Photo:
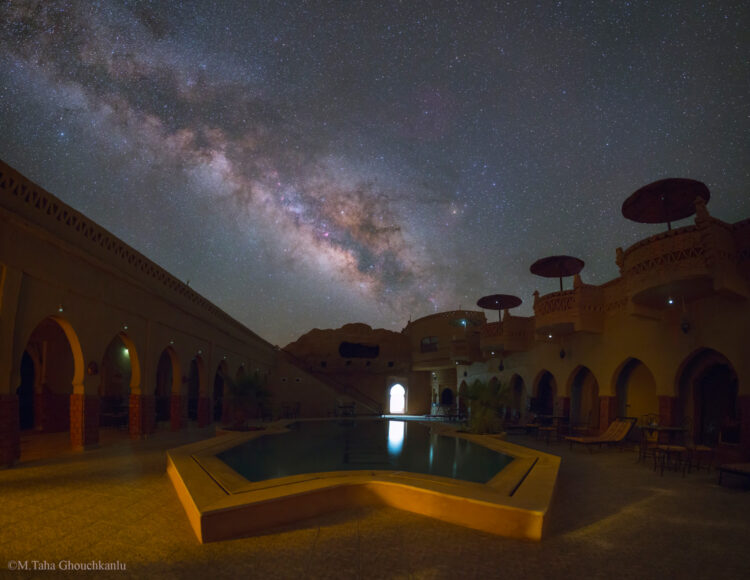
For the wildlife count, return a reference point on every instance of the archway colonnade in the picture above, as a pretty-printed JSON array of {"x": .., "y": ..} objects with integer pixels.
[
  {"x": 701, "y": 392},
  {"x": 64, "y": 380}
]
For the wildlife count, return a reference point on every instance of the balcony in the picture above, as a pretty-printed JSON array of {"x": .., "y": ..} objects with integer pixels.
[
  {"x": 569, "y": 311},
  {"x": 513, "y": 334},
  {"x": 683, "y": 264}
]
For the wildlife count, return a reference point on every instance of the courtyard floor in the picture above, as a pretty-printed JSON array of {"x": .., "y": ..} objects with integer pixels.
[{"x": 611, "y": 518}]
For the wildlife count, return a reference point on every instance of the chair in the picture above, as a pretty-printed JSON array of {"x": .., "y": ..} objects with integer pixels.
[
  {"x": 649, "y": 439},
  {"x": 697, "y": 452},
  {"x": 615, "y": 434},
  {"x": 676, "y": 455}
]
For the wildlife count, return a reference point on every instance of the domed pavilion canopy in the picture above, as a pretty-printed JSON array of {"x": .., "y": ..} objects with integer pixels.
[
  {"x": 666, "y": 200},
  {"x": 557, "y": 267},
  {"x": 499, "y": 302}
]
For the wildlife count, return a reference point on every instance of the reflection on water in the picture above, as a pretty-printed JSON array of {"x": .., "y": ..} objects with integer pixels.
[
  {"x": 396, "y": 437},
  {"x": 323, "y": 446}
]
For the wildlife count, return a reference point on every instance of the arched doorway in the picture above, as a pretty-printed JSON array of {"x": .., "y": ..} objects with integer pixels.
[
  {"x": 114, "y": 387},
  {"x": 218, "y": 401},
  {"x": 446, "y": 397},
  {"x": 193, "y": 391},
  {"x": 167, "y": 382},
  {"x": 55, "y": 345},
  {"x": 546, "y": 389},
  {"x": 584, "y": 398},
  {"x": 517, "y": 398},
  {"x": 636, "y": 390},
  {"x": 708, "y": 396},
  {"x": 51, "y": 373},
  {"x": 397, "y": 399},
  {"x": 26, "y": 392}
]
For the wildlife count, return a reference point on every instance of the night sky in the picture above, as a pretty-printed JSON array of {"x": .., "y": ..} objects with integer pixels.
[{"x": 309, "y": 164}]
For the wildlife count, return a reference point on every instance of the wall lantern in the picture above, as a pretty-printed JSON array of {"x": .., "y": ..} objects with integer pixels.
[
  {"x": 200, "y": 351},
  {"x": 171, "y": 341},
  {"x": 60, "y": 308},
  {"x": 124, "y": 326}
]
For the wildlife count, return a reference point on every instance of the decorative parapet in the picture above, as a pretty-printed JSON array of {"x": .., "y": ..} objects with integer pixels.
[
  {"x": 690, "y": 261},
  {"x": 33, "y": 203},
  {"x": 578, "y": 310}
]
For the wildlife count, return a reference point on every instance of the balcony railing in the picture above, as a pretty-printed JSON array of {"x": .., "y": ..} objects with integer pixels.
[
  {"x": 580, "y": 309},
  {"x": 684, "y": 263}
]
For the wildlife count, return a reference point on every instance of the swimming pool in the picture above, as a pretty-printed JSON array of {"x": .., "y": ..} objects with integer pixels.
[
  {"x": 392, "y": 445},
  {"x": 222, "y": 504}
]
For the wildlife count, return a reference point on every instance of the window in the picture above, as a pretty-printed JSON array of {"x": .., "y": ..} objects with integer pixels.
[
  {"x": 429, "y": 344},
  {"x": 357, "y": 350}
]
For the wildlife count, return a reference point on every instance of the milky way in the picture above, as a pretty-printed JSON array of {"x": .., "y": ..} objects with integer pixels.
[{"x": 308, "y": 164}]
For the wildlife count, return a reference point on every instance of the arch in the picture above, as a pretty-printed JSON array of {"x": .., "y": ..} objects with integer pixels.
[
  {"x": 75, "y": 348},
  {"x": 635, "y": 389},
  {"x": 55, "y": 352},
  {"x": 584, "y": 397},
  {"x": 194, "y": 389},
  {"x": 26, "y": 392},
  {"x": 397, "y": 399},
  {"x": 446, "y": 397},
  {"x": 168, "y": 382},
  {"x": 707, "y": 390},
  {"x": 116, "y": 382},
  {"x": 135, "y": 362},
  {"x": 518, "y": 400},
  {"x": 219, "y": 388},
  {"x": 545, "y": 391}
]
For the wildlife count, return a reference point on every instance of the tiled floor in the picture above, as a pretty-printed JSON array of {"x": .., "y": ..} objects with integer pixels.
[{"x": 611, "y": 518}]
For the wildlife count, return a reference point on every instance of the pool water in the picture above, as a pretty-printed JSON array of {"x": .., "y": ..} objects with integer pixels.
[{"x": 323, "y": 446}]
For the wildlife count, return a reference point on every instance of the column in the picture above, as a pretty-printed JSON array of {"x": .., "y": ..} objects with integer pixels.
[{"x": 84, "y": 421}]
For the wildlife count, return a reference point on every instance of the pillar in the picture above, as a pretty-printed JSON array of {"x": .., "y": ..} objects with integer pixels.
[
  {"x": 175, "y": 412},
  {"x": 204, "y": 411},
  {"x": 142, "y": 415},
  {"x": 84, "y": 421},
  {"x": 10, "y": 441},
  {"x": 607, "y": 411}
]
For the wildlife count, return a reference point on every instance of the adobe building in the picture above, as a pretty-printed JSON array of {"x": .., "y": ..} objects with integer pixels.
[{"x": 94, "y": 335}]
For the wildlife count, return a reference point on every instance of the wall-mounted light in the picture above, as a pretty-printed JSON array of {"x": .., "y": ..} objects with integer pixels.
[
  {"x": 225, "y": 357},
  {"x": 670, "y": 301},
  {"x": 200, "y": 351},
  {"x": 60, "y": 308},
  {"x": 171, "y": 341},
  {"x": 549, "y": 336},
  {"x": 124, "y": 326}
]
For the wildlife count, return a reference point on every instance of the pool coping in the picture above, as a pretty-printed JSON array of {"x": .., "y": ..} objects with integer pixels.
[{"x": 221, "y": 504}]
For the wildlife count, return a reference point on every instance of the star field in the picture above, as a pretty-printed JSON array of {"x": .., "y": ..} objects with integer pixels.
[{"x": 308, "y": 164}]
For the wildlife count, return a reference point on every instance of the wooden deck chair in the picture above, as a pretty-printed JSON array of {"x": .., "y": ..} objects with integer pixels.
[{"x": 615, "y": 433}]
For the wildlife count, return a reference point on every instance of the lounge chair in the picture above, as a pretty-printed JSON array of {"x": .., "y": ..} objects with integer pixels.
[
  {"x": 742, "y": 469},
  {"x": 615, "y": 433}
]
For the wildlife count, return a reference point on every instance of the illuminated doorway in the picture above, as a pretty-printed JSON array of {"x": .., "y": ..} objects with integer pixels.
[{"x": 397, "y": 399}]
